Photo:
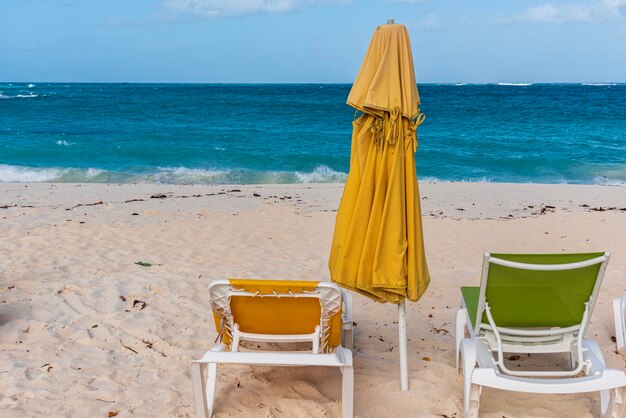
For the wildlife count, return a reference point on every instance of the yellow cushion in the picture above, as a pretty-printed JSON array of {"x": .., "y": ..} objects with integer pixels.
[{"x": 280, "y": 316}]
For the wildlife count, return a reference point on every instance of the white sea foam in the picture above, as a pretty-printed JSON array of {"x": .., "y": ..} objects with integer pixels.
[
  {"x": 599, "y": 84},
  {"x": 460, "y": 84},
  {"x": 606, "y": 181},
  {"x": 515, "y": 84},
  {"x": 432, "y": 179},
  {"x": 183, "y": 175},
  {"x": 30, "y": 86},
  {"x": 63, "y": 142},
  {"x": 93, "y": 172},
  {"x": 321, "y": 174},
  {"x": 25, "y": 174},
  {"x": 19, "y": 174},
  {"x": 19, "y": 96},
  {"x": 219, "y": 148}
]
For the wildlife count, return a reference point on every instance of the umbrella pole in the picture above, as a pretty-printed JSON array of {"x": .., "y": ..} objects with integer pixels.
[{"x": 404, "y": 373}]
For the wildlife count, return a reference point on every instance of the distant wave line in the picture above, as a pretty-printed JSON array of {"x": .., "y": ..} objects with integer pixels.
[
  {"x": 515, "y": 84},
  {"x": 19, "y": 96}
]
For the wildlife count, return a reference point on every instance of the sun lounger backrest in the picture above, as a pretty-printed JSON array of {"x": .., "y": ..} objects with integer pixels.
[
  {"x": 526, "y": 296},
  {"x": 277, "y": 307}
]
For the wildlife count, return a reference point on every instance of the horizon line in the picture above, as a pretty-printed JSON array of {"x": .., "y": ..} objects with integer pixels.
[{"x": 504, "y": 83}]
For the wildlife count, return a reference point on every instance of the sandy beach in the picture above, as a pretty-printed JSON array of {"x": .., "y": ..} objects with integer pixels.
[{"x": 87, "y": 332}]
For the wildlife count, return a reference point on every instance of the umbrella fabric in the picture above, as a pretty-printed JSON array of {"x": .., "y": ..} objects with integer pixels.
[{"x": 378, "y": 247}]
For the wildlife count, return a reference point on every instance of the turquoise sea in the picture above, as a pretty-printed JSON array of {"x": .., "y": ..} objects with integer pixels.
[{"x": 285, "y": 133}]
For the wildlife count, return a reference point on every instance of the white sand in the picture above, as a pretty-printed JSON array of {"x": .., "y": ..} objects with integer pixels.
[{"x": 71, "y": 347}]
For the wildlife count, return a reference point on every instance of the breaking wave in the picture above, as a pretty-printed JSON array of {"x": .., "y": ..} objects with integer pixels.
[
  {"x": 605, "y": 181},
  {"x": 22, "y": 174},
  {"x": 166, "y": 175},
  {"x": 322, "y": 174}
]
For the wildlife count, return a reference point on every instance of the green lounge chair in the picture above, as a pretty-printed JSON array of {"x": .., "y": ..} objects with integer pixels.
[{"x": 535, "y": 303}]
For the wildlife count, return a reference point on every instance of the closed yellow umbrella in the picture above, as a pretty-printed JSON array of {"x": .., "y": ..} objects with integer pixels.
[{"x": 378, "y": 247}]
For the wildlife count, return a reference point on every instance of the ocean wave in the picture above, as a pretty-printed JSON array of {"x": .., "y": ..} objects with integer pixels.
[
  {"x": 599, "y": 84},
  {"x": 19, "y": 96},
  {"x": 63, "y": 143},
  {"x": 432, "y": 179},
  {"x": 182, "y": 175},
  {"x": 321, "y": 174},
  {"x": 18, "y": 174},
  {"x": 515, "y": 84},
  {"x": 24, "y": 174},
  {"x": 30, "y": 86},
  {"x": 167, "y": 175},
  {"x": 606, "y": 181}
]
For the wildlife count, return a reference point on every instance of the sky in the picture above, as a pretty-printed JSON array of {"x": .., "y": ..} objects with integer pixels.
[{"x": 308, "y": 41}]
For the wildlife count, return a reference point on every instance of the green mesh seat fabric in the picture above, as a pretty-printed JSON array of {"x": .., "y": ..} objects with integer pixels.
[
  {"x": 470, "y": 297},
  {"x": 520, "y": 298}
]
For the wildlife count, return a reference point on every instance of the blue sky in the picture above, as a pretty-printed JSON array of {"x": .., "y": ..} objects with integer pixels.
[{"x": 309, "y": 40}]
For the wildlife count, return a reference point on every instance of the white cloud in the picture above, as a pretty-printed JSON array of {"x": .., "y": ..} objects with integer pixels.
[
  {"x": 586, "y": 12},
  {"x": 208, "y": 8}
]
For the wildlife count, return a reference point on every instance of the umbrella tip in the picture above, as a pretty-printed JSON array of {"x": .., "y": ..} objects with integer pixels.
[{"x": 390, "y": 21}]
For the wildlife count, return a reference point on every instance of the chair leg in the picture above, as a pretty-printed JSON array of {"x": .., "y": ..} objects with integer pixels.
[
  {"x": 348, "y": 341},
  {"x": 203, "y": 390},
  {"x": 199, "y": 390},
  {"x": 618, "y": 317},
  {"x": 605, "y": 399},
  {"x": 615, "y": 403},
  {"x": 459, "y": 334},
  {"x": 474, "y": 404},
  {"x": 471, "y": 392},
  {"x": 347, "y": 392},
  {"x": 211, "y": 381}
]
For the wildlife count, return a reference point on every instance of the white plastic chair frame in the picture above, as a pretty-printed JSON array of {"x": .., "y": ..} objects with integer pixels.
[
  {"x": 485, "y": 339},
  {"x": 510, "y": 340},
  {"x": 331, "y": 297},
  {"x": 620, "y": 326}
]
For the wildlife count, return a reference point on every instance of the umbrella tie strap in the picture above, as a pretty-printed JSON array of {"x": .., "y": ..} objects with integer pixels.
[
  {"x": 377, "y": 131},
  {"x": 394, "y": 127},
  {"x": 411, "y": 135},
  {"x": 356, "y": 112}
]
